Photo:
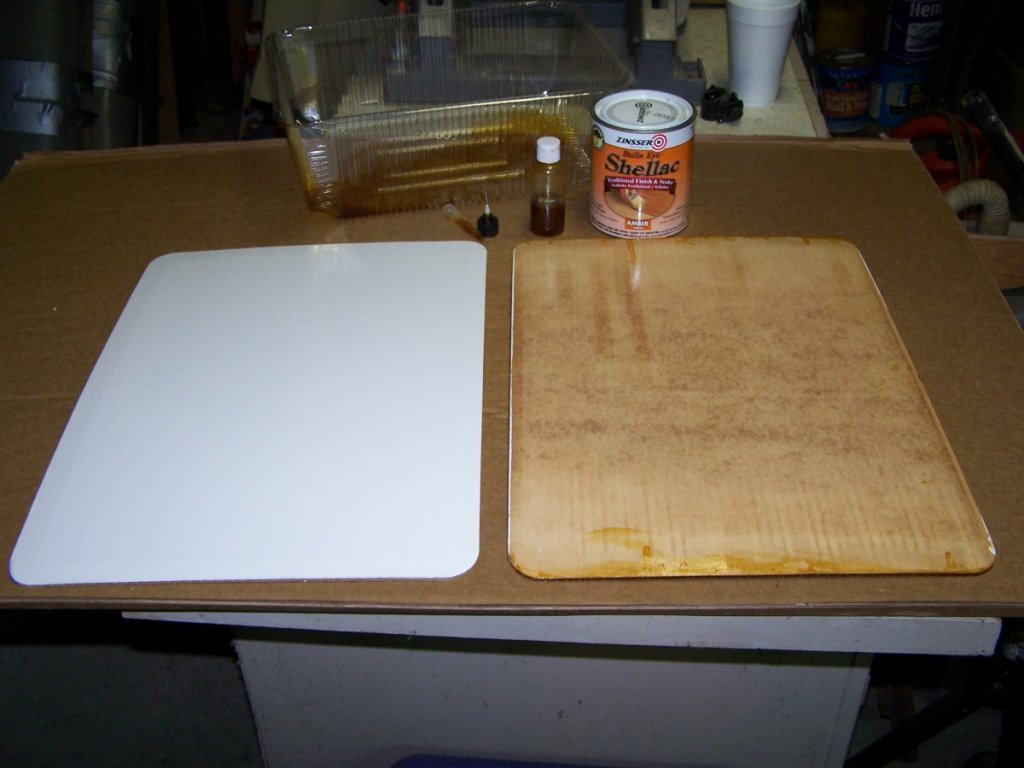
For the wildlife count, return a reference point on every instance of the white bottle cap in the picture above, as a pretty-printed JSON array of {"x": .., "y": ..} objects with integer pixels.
[{"x": 549, "y": 149}]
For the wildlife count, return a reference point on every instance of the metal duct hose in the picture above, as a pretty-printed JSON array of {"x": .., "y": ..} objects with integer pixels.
[
  {"x": 125, "y": 80},
  {"x": 116, "y": 64},
  {"x": 995, "y": 206}
]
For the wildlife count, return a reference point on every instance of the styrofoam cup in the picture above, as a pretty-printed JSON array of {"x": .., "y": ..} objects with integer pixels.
[{"x": 759, "y": 34}]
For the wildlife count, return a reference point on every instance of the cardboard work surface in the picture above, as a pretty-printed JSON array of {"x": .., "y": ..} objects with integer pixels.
[
  {"x": 79, "y": 230},
  {"x": 722, "y": 406},
  {"x": 250, "y": 413}
]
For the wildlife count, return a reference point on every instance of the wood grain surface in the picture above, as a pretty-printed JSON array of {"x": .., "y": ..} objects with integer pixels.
[{"x": 722, "y": 406}]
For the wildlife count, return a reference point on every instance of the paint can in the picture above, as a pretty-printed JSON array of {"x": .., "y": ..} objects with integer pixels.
[
  {"x": 844, "y": 79},
  {"x": 641, "y": 157},
  {"x": 898, "y": 93},
  {"x": 913, "y": 29}
]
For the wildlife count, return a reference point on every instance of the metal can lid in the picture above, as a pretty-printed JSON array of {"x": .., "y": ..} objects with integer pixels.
[
  {"x": 638, "y": 110},
  {"x": 844, "y": 59}
]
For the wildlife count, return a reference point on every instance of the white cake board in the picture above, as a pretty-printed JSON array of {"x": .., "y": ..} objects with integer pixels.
[{"x": 309, "y": 412}]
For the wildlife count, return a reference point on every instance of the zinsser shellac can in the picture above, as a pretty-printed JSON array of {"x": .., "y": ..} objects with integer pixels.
[{"x": 641, "y": 155}]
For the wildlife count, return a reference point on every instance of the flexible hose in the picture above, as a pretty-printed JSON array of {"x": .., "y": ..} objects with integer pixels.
[{"x": 995, "y": 206}]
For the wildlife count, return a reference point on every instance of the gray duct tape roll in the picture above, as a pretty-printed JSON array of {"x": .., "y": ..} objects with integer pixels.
[{"x": 41, "y": 97}]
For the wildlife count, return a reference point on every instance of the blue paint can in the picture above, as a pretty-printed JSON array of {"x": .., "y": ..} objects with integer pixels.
[
  {"x": 898, "y": 93},
  {"x": 913, "y": 29},
  {"x": 844, "y": 83}
]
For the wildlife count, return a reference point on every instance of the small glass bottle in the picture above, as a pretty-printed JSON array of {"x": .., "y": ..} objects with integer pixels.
[{"x": 547, "y": 189}]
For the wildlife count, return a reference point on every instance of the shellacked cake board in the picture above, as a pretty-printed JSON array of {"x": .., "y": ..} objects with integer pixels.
[{"x": 722, "y": 406}]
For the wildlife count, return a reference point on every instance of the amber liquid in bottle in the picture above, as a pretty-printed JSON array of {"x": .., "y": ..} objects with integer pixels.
[
  {"x": 547, "y": 189},
  {"x": 547, "y": 217}
]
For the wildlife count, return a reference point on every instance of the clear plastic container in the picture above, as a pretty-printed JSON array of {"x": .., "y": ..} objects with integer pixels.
[{"x": 418, "y": 110}]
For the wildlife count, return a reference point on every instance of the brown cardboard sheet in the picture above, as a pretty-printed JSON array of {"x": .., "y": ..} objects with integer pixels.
[
  {"x": 78, "y": 230},
  {"x": 1003, "y": 257}
]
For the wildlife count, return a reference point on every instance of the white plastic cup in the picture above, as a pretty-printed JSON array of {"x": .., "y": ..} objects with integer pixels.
[{"x": 759, "y": 34}]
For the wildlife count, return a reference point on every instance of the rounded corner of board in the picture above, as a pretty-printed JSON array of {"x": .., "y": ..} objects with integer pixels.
[
  {"x": 983, "y": 566},
  {"x": 528, "y": 571},
  {"x": 463, "y": 567},
  {"x": 20, "y": 575}
]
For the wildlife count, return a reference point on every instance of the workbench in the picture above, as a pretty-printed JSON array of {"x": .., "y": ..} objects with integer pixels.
[{"x": 365, "y": 672}]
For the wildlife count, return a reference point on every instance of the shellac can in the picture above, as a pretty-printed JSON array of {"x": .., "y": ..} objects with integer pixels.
[{"x": 641, "y": 158}]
